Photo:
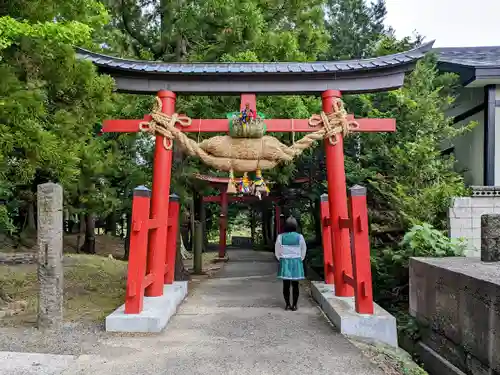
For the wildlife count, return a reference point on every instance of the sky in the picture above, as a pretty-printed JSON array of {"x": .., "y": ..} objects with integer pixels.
[{"x": 452, "y": 23}]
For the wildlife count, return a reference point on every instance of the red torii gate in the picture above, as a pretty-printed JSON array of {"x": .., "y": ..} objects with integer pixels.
[
  {"x": 329, "y": 78},
  {"x": 224, "y": 199},
  {"x": 337, "y": 190}
]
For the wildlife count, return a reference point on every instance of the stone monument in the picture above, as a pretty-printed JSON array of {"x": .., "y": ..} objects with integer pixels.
[
  {"x": 50, "y": 255},
  {"x": 490, "y": 238}
]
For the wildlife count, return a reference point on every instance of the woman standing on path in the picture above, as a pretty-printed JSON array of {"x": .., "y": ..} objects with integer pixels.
[{"x": 290, "y": 249}]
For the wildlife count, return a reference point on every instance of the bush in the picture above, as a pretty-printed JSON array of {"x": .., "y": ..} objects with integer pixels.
[{"x": 390, "y": 265}]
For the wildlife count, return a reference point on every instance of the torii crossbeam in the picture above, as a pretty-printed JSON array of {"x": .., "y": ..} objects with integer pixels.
[{"x": 272, "y": 125}]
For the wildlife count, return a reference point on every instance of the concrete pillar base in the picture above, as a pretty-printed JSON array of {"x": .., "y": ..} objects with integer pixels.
[
  {"x": 155, "y": 315},
  {"x": 381, "y": 326},
  {"x": 221, "y": 260}
]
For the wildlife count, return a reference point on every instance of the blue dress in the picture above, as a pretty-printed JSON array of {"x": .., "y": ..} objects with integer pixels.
[{"x": 290, "y": 250}]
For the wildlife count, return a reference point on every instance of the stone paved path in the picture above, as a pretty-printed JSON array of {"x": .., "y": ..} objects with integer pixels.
[{"x": 232, "y": 325}]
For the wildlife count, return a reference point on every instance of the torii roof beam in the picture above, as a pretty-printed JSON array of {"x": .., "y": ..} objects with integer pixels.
[{"x": 349, "y": 76}]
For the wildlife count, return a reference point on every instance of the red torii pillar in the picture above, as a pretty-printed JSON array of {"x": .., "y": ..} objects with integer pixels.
[
  {"x": 337, "y": 202},
  {"x": 335, "y": 177},
  {"x": 162, "y": 170}
]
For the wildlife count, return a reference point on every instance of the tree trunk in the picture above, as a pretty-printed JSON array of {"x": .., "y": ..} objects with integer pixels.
[
  {"x": 31, "y": 225},
  {"x": 81, "y": 229},
  {"x": 111, "y": 224},
  {"x": 269, "y": 226},
  {"x": 198, "y": 248},
  {"x": 181, "y": 274},
  {"x": 180, "y": 270},
  {"x": 186, "y": 223},
  {"x": 124, "y": 225},
  {"x": 206, "y": 225},
  {"x": 317, "y": 220},
  {"x": 266, "y": 227},
  {"x": 252, "y": 225},
  {"x": 191, "y": 224},
  {"x": 165, "y": 25},
  {"x": 127, "y": 237},
  {"x": 263, "y": 225},
  {"x": 89, "y": 243}
]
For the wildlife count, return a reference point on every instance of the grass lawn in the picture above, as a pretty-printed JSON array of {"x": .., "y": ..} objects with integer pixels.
[{"x": 93, "y": 287}]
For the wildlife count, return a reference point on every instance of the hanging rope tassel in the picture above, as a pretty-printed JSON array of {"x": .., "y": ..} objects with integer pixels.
[
  {"x": 244, "y": 186},
  {"x": 231, "y": 188},
  {"x": 259, "y": 187}
]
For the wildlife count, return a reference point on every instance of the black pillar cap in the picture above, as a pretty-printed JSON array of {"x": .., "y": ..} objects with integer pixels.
[
  {"x": 357, "y": 191},
  {"x": 142, "y": 191}
]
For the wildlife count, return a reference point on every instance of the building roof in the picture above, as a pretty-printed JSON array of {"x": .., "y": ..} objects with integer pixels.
[
  {"x": 477, "y": 66},
  {"x": 470, "y": 56},
  {"x": 348, "y": 76}
]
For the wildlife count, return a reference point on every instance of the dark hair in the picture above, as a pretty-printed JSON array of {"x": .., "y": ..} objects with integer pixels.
[{"x": 291, "y": 225}]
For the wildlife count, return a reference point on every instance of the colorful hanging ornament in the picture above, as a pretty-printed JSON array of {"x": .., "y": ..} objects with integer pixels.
[
  {"x": 244, "y": 185},
  {"x": 247, "y": 115},
  {"x": 259, "y": 187},
  {"x": 231, "y": 188},
  {"x": 246, "y": 124}
]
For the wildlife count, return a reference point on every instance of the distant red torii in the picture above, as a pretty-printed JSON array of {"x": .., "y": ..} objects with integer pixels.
[{"x": 224, "y": 199}]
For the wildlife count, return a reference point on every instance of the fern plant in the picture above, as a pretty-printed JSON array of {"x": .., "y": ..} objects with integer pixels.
[{"x": 425, "y": 240}]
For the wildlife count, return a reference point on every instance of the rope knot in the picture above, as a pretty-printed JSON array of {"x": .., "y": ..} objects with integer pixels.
[
  {"x": 334, "y": 122},
  {"x": 164, "y": 125}
]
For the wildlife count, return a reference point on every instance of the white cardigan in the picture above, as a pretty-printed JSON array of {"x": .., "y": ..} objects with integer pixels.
[{"x": 287, "y": 251}]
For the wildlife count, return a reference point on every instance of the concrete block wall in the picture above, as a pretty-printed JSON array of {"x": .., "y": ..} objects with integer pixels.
[{"x": 464, "y": 217}]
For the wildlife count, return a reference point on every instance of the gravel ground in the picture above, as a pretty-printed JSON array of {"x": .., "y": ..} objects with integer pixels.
[
  {"x": 72, "y": 339},
  {"x": 233, "y": 324}
]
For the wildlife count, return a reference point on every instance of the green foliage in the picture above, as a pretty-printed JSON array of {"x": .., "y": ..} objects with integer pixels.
[
  {"x": 49, "y": 103},
  {"x": 207, "y": 30},
  {"x": 70, "y": 22},
  {"x": 424, "y": 240},
  {"x": 409, "y": 180},
  {"x": 391, "y": 264},
  {"x": 354, "y": 26},
  {"x": 49, "y": 119},
  {"x": 70, "y": 32}
]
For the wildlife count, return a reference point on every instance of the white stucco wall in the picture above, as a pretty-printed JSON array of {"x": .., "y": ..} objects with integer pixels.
[{"x": 469, "y": 148}]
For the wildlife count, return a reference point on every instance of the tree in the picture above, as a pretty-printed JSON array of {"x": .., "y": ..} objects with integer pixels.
[
  {"x": 193, "y": 30},
  {"x": 46, "y": 117},
  {"x": 354, "y": 27},
  {"x": 406, "y": 169}
]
